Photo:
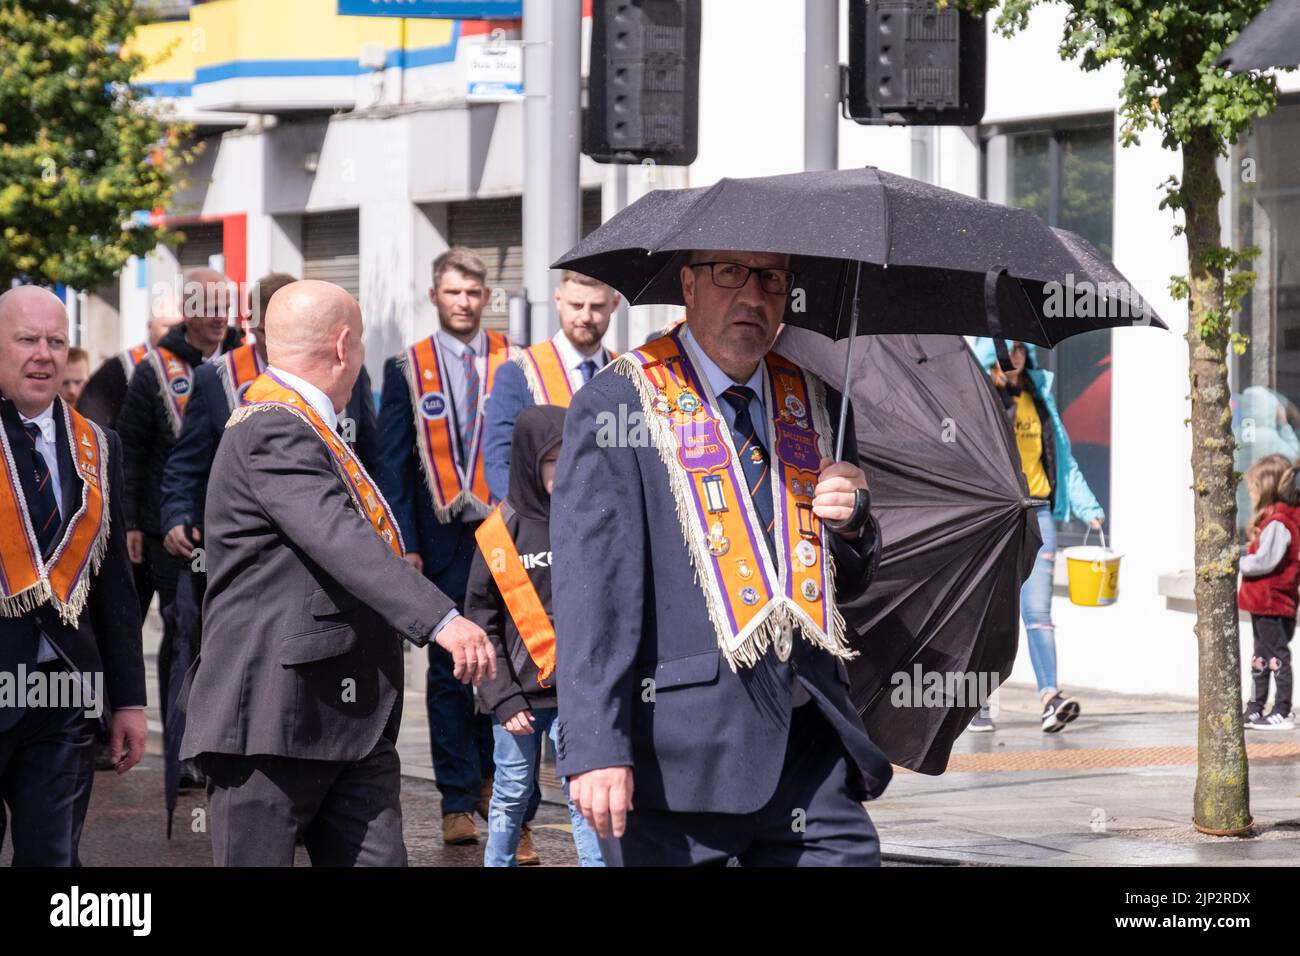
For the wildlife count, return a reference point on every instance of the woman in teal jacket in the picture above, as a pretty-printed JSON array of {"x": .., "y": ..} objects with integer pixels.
[{"x": 1052, "y": 474}]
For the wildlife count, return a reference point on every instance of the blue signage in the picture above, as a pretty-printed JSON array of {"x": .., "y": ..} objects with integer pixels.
[{"x": 441, "y": 9}]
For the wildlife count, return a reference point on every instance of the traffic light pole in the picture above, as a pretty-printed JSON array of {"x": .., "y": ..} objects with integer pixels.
[
  {"x": 821, "y": 84},
  {"x": 552, "y": 62}
]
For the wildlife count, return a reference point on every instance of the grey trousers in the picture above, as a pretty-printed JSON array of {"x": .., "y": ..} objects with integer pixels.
[{"x": 347, "y": 814}]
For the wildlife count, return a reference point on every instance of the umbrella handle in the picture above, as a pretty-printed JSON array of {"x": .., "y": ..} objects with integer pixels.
[
  {"x": 991, "y": 278},
  {"x": 848, "y": 364}
]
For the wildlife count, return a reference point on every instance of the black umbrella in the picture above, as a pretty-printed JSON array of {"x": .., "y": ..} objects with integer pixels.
[
  {"x": 1271, "y": 39},
  {"x": 955, "y": 518},
  {"x": 911, "y": 257}
]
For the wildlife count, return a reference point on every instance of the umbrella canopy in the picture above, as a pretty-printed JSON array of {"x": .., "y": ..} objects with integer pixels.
[
  {"x": 956, "y": 522},
  {"x": 933, "y": 259},
  {"x": 1271, "y": 39}
]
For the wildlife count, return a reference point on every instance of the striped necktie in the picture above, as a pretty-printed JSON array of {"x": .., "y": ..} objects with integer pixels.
[
  {"x": 470, "y": 404},
  {"x": 753, "y": 456},
  {"x": 45, "y": 505}
]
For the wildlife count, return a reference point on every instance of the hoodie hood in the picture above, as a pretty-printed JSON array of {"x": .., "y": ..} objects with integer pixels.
[
  {"x": 537, "y": 430},
  {"x": 175, "y": 341}
]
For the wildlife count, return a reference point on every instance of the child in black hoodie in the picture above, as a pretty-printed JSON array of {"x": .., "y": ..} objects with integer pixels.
[{"x": 509, "y": 596}]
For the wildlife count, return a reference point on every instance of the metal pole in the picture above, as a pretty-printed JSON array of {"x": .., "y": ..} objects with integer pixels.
[
  {"x": 922, "y": 150},
  {"x": 848, "y": 363},
  {"x": 566, "y": 139},
  {"x": 821, "y": 84},
  {"x": 536, "y": 158},
  {"x": 622, "y": 330}
]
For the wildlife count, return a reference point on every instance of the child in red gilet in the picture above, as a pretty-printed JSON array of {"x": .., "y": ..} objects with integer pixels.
[{"x": 1270, "y": 586}]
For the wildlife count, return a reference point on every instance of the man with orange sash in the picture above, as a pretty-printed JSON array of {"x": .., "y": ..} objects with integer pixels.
[
  {"x": 549, "y": 372},
  {"x": 101, "y": 400},
  {"x": 295, "y": 702},
  {"x": 431, "y": 470},
  {"x": 150, "y": 424},
  {"x": 219, "y": 388},
  {"x": 69, "y": 621},
  {"x": 700, "y": 544}
]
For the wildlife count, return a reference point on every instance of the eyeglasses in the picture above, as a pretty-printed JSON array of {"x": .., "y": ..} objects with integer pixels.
[{"x": 733, "y": 275}]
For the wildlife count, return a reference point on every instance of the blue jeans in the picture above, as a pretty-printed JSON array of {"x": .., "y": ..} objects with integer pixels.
[
  {"x": 1036, "y": 605},
  {"x": 516, "y": 778}
]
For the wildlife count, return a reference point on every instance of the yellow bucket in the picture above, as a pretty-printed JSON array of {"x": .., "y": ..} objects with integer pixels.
[{"x": 1093, "y": 573}]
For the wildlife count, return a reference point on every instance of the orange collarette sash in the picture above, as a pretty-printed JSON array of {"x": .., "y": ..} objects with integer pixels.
[
  {"x": 752, "y": 601},
  {"x": 452, "y": 487},
  {"x": 525, "y": 607},
  {"x": 175, "y": 380},
  {"x": 269, "y": 393},
  {"x": 26, "y": 580},
  {"x": 544, "y": 371},
  {"x": 132, "y": 358},
  {"x": 237, "y": 370}
]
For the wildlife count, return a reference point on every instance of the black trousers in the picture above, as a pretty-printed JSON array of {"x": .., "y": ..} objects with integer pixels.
[
  {"x": 1272, "y": 657},
  {"x": 815, "y": 817},
  {"x": 348, "y": 814},
  {"x": 47, "y": 766}
]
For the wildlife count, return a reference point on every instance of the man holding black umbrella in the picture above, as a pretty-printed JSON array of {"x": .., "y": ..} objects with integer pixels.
[{"x": 723, "y": 532}]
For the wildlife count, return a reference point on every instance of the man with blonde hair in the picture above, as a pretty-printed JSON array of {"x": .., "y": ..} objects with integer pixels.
[{"x": 550, "y": 372}]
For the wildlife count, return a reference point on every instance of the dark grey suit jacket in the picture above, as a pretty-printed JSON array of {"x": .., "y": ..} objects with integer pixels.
[
  {"x": 107, "y": 636},
  {"x": 304, "y": 607},
  {"x": 628, "y": 611}
]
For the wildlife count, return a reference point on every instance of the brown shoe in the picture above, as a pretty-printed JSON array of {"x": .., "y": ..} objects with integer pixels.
[
  {"x": 484, "y": 797},
  {"x": 526, "y": 854},
  {"x": 458, "y": 829}
]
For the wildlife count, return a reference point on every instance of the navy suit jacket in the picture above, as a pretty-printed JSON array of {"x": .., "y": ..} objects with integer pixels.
[
  {"x": 447, "y": 550},
  {"x": 510, "y": 396},
  {"x": 185, "y": 476},
  {"x": 628, "y": 612},
  {"x": 107, "y": 636}
]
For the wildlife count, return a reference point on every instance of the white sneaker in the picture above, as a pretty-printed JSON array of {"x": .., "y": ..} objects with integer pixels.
[{"x": 1273, "y": 721}]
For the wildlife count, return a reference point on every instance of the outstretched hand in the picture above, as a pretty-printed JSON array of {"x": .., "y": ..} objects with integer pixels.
[{"x": 471, "y": 652}]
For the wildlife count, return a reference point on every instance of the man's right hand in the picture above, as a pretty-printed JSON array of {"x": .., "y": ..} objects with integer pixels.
[
  {"x": 604, "y": 796},
  {"x": 135, "y": 546},
  {"x": 414, "y": 560},
  {"x": 471, "y": 651},
  {"x": 179, "y": 544}
]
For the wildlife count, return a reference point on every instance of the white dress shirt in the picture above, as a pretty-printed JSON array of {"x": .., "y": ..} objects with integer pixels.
[
  {"x": 452, "y": 350},
  {"x": 314, "y": 396},
  {"x": 573, "y": 359}
]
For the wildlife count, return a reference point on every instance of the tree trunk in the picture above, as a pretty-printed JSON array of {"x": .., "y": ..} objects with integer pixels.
[{"x": 1221, "y": 804}]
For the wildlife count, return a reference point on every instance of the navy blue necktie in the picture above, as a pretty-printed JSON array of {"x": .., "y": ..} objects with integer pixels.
[
  {"x": 752, "y": 454},
  {"x": 588, "y": 369},
  {"x": 45, "y": 506}
]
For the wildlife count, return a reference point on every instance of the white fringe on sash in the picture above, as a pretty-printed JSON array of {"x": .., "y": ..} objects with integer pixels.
[
  {"x": 530, "y": 376},
  {"x": 42, "y": 592},
  {"x": 746, "y": 648}
]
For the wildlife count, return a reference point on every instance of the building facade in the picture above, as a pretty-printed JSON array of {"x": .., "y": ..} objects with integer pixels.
[{"x": 345, "y": 148}]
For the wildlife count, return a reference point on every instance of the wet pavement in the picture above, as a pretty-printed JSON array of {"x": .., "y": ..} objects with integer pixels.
[{"x": 1115, "y": 788}]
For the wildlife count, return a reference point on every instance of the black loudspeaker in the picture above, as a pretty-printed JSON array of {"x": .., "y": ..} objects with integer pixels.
[
  {"x": 913, "y": 64},
  {"x": 643, "y": 96}
]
